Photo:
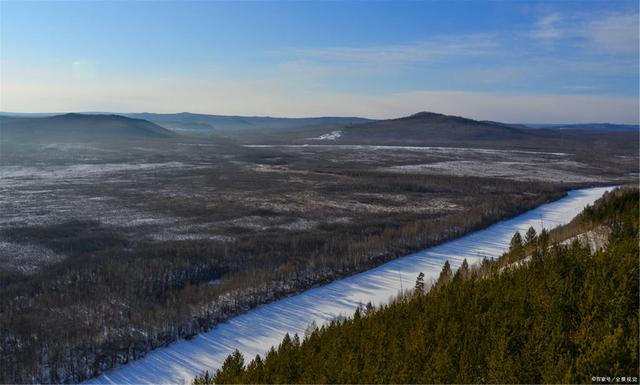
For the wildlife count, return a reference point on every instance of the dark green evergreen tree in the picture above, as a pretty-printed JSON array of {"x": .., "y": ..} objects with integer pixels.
[
  {"x": 419, "y": 287},
  {"x": 204, "y": 379},
  {"x": 530, "y": 236},
  {"x": 516, "y": 248},
  {"x": 445, "y": 275},
  {"x": 543, "y": 239},
  {"x": 516, "y": 242},
  {"x": 231, "y": 369},
  {"x": 464, "y": 269}
]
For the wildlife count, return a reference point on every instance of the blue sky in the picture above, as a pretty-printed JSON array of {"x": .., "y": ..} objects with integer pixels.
[{"x": 559, "y": 61}]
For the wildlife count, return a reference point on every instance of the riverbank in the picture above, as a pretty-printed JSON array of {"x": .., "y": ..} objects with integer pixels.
[{"x": 256, "y": 331}]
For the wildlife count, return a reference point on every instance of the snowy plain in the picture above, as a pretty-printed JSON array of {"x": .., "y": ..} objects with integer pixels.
[
  {"x": 337, "y": 134},
  {"x": 256, "y": 331}
]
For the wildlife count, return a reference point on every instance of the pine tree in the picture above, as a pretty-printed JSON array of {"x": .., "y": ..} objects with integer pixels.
[
  {"x": 369, "y": 309},
  {"x": 231, "y": 369},
  {"x": 516, "y": 242},
  {"x": 464, "y": 269},
  {"x": 445, "y": 275},
  {"x": 516, "y": 250},
  {"x": 419, "y": 287},
  {"x": 543, "y": 239},
  {"x": 204, "y": 379},
  {"x": 530, "y": 236}
]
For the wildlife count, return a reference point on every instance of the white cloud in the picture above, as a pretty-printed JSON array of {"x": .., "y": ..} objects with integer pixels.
[
  {"x": 423, "y": 51},
  {"x": 616, "y": 33},
  {"x": 547, "y": 27},
  {"x": 579, "y": 88},
  {"x": 613, "y": 33}
]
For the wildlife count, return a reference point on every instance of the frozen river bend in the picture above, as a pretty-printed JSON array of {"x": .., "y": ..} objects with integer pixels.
[{"x": 256, "y": 331}]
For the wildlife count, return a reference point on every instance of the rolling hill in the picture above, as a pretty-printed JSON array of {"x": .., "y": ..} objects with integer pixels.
[
  {"x": 433, "y": 129},
  {"x": 420, "y": 129},
  {"x": 77, "y": 128},
  {"x": 236, "y": 124}
]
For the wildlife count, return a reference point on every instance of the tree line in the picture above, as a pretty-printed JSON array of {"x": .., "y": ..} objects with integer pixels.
[{"x": 542, "y": 313}]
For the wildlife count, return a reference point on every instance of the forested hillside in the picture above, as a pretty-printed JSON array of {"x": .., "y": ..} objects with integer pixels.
[
  {"x": 433, "y": 129},
  {"x": 540, "y": 314},
  {"x": 77, "y": 128}
]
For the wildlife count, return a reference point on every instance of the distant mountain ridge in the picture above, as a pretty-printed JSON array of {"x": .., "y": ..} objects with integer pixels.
[
  {"x": 420, "y": 129},
  {"x": 433, "y": 128},
  {"x": 77, "y": 127},
  {"x": 204, "y": 122},
  {"x": 226, "y": 123}
]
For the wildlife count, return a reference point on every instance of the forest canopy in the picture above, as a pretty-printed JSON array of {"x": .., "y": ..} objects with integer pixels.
[{"x": 565, "y": 316}]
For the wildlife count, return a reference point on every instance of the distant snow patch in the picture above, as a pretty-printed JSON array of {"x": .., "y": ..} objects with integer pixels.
[
  {"x": 549, "y": 171},
  {"x": 333, "y": 135},
  {"x": 431, "y": 149}
]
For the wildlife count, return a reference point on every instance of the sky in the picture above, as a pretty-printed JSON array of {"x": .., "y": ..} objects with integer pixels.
[{"x": 512, "y": 61}]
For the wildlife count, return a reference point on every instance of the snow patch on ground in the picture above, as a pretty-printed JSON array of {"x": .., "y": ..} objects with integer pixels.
[
  {"x": 448, "y": 150},
  {"x": 333, "y": 135},
  {"x": 25, "y": 258},
  {"x": 516, "y": 264},
  {"x": 596, "y": 239},
  {"x": 256, "y": 331},
  {"x": 77, "y": 170},
  {"x": 554, "y": 171}
]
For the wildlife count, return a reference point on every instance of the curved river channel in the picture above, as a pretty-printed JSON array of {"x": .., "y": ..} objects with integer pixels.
[{"x": 257, "y": 330}]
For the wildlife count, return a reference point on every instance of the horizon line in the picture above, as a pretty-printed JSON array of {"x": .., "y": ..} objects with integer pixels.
[{"x": 309, "y": 117}]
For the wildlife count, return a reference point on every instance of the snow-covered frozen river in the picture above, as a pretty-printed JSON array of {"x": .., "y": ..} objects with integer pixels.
[{"x": 256, "y": 331}]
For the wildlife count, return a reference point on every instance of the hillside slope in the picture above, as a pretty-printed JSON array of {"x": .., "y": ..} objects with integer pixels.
[
  {"x": 77, "y": 127},
  {"x": 230, "y": 124},
  {"x": 561, "y": 315},
  {"x": 432, "y": 129},
  {"x": 428, "y": 129}
]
